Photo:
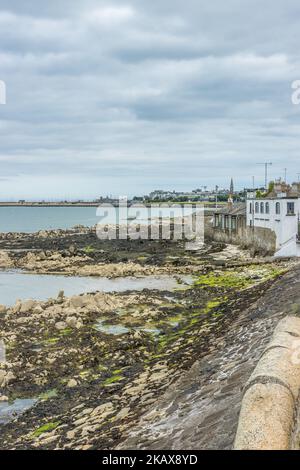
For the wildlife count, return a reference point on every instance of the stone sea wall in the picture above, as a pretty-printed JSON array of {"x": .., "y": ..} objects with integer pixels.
[
  {"x": 261, "y": 241},
  {"x": 269, "y": 412}
]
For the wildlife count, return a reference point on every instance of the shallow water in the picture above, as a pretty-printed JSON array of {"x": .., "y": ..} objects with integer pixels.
[
  {"x": 16, "y": 285},
  {"x": 111, "y": 329},
  {"x": 119, "y": 329},
  {"x": 9, "y": 411}
]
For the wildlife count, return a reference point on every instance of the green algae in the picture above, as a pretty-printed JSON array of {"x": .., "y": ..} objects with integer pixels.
[
  {"x": 240, "y": 278},
  {"x": 66, "y": 331},
  {"x": 113, "y": 379},
  {"x": 46, "y": 428},
  {"x": 53, "y": 340},
  {"x": 89, "y": 249},
  {"x": 48, "y": 394}
]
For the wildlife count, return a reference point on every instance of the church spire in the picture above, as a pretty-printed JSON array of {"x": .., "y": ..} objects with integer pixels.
[{"x": 231, "y": 187}]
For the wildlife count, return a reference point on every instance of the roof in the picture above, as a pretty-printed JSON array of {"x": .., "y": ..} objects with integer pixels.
[{"x": 236, "y": 209}]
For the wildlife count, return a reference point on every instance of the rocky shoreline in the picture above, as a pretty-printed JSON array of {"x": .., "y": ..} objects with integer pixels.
[{"x": 92, "y": 364}]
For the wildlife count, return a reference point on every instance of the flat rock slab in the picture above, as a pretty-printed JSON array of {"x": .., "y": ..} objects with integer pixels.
[{"x": 201, "y": 410}]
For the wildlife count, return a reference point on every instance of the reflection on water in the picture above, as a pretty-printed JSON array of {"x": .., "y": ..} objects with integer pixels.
[
  {"x": 111, "y": 329},
  {"x": 119, "y": 329},
  {"x": 16, "y": 285},
  {"x": 9, "y": 411}
]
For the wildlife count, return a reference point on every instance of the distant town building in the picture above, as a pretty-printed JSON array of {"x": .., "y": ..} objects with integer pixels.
[{"x": 196, "y": 195}]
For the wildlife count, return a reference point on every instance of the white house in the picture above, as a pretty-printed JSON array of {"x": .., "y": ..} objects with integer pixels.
[{"x": 279, "y": 213}]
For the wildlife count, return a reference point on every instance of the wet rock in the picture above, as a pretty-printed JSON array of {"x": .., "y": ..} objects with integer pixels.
[
  {"x": 72, "y": 322},
  {"x": 61, "y": 295},
  {"x": 49, "y": 440},
  {"x": 3, "y": 309},
  {"x": 27, "y": 306},
  {"x": 77, "y": 301},
  {"x": 123, "y": 413},
  {"x": 72, "y": 383},
  {"x": 37, "y": 310},
  {"x": 6, "y": 378},
  {"x": 71, "y": 434},
  {"x": 43, "y": 234},
  {"x": 5, "y": 260},
  {"x": 103, "y": 410},
  {"x": 72, "y": 249},
  {"x": 61, "y": 325}
]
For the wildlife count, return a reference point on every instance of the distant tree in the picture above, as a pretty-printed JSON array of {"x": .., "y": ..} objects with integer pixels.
[{"x": 271, "y": 187}]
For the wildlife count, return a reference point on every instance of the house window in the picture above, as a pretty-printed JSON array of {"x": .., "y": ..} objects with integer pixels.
[
  {"x": 267, "y": 208},
  {"x": 256, "y": 208},
  {"x": 277, "y": 209},
  {"x": 290, "y": 208},
  {"x": 250, "y": 208},
  {"x": 262, "y": 208}
]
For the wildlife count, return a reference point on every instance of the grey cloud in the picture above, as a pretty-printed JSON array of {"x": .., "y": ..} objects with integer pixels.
[{"x": 146, "y": 93}]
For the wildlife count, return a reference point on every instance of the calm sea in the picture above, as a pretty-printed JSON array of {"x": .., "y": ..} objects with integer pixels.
[{"x": 33, "y": 219}]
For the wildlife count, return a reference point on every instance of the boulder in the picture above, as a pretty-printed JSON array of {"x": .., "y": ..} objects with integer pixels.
[
  {"x": 77, "y": 301},
  {"x": 27, "y": 306},
  {"x": 71, "y": 322},
  {"x": 5, "y": 260},
  {"x": 3, "y": 309},
  {"x": 60, "y": 325},
  {"x": 72, "y": 383}
]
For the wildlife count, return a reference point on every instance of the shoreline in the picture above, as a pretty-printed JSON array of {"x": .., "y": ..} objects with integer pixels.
[{"x": 90, "y": 366}]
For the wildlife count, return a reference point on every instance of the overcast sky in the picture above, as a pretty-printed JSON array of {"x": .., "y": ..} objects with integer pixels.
[{"x": 120, "y": 97}]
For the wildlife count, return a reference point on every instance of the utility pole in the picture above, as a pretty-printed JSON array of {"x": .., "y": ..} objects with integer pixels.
[{"x": 266, "y": 165}]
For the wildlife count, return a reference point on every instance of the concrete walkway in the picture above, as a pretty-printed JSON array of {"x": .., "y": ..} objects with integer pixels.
[{"x": 201, "y": 410}]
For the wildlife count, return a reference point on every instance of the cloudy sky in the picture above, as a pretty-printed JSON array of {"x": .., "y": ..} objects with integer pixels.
[{"x": 117, "y": 97}]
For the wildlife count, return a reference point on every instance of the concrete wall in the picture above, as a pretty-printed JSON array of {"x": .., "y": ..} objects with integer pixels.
[
  {"x": 260, "y": 241},
  {"x": 290, "y": 249}
]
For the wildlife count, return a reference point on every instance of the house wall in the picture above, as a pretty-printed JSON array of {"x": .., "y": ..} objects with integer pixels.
[{"x": 283, "y": 225}]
